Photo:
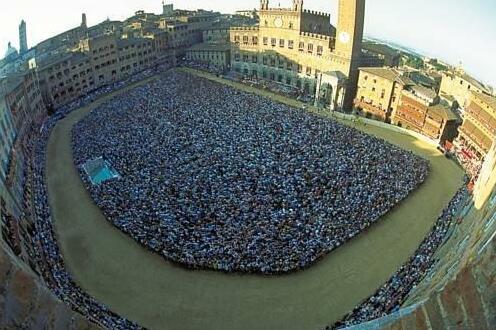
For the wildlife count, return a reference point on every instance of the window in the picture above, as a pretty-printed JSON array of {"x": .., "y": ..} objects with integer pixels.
[
  {"x": 289, "y": 66},
  {"x": 245, "y": 40},
  {"x": 265, "y": 41},
  {"x": 273, "y": 42},
  {"x": 272, "y": 61},
  {"x": 264, "y": 60},
  {"x": 309, "y": 71},
  {"x": 236, "y": 40},
  {"x": 383, "y": 93},
  {"x": 245, "y": 58},
  {"x": 300, "y": 68},
  {"x": 310, "y": 48},
  {"x": 301, "y": 46},
  {"x": 254, "y": 40},
  {"x": 290, "y": 44},
  {"x": 281, "y": 43},
  {"x": 320, "y": 50},
  {"x": 254, "y": 59},
  {"x": 236, "y": 57},
  {"x": 281, "y": 63}
]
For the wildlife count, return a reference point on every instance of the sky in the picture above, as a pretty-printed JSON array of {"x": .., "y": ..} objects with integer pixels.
[{"x": 457, "y": 31}]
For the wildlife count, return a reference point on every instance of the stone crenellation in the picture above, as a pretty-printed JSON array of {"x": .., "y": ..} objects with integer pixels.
[{"x": 318, "y": 13}]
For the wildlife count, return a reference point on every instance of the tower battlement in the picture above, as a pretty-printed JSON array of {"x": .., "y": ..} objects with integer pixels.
[
  {"x": 318, "y": 13},
  {"x": 245, "y": 28}
]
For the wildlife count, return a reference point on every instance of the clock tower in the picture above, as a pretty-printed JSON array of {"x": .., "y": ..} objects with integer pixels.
[{"x": 348, "y": 47}]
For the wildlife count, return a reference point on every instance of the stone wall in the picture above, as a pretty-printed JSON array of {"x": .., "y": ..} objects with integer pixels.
[{"x": 25, "y": 303}]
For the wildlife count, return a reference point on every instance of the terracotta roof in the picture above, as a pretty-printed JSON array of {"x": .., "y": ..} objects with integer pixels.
[
  {"x": 424, "y": 91},
  {"x": 385, "y": 73},
  {"x": 443, "y": 111}
]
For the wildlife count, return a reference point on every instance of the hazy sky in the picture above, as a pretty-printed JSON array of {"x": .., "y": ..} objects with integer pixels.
[{"x": 454, "y": 30}]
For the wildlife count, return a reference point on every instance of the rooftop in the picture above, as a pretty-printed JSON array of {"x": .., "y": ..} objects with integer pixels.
[
  {"x": 389, "y": 74},
  {"x": 73, "y": 56},
  {"x": 443, "y": 111},
  {"x": 423, "y": 91}
]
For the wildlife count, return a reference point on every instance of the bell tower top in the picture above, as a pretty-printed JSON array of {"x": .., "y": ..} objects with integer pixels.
[
  {"x": 264, "y": 4},
  {"x": 298, "y": 5}
]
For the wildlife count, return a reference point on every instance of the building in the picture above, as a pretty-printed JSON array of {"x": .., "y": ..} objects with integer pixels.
[
  {"x": 181, "y": 35},
  {"x": 216, "y": 55},
  {"x": 295, "y": 47},
  {"x": 97, "y": 62},
  {"x": 167, "y": 9},
  {"x": 217, "y": 34},
  {"x": 21, "y": 107},
  {"x": 478, "y": 131},
  {"x": 421, "y": 111},
  {"x": 379, "y": 92},
  {"x": 369, "y": 59},
  {"x": 431, "y": 80},
  {"x": 390, "y": 56},
  {"x": 459, "y": 85},
  {"x": 7, "y": 136},
  {"x": 23, "y": 39}
]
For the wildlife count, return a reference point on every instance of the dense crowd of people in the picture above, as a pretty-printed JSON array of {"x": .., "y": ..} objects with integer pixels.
[
  {"x": 46, "y": 253},
  {"x": 212, "y": 177},
  {"x": 393, "y": 293}
]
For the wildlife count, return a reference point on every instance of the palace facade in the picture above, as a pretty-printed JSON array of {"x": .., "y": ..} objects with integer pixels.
[{"x": 301, "y": 48}]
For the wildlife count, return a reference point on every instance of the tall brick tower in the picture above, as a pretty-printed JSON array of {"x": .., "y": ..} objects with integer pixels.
[
  {"x": 23, "y": 40},
  {"x": 349, "y": 37}
]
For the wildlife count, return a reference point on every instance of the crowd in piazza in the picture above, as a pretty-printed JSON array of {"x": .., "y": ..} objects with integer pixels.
[{"x": 215, "y": 178}]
